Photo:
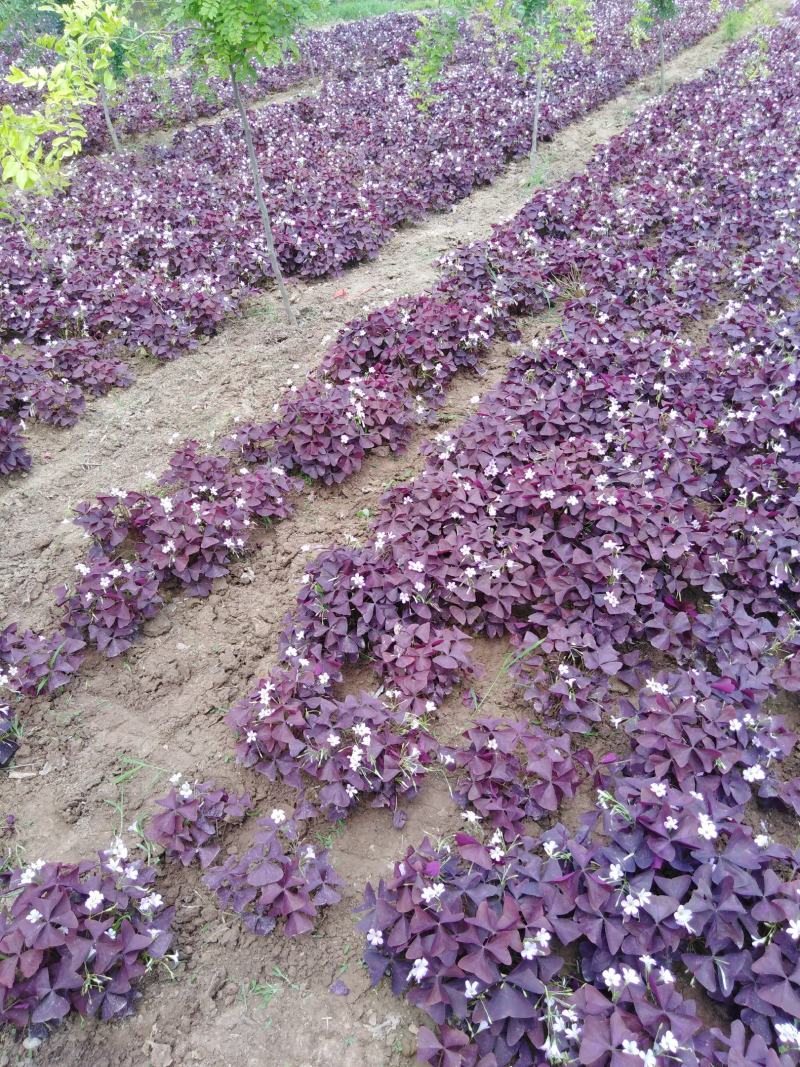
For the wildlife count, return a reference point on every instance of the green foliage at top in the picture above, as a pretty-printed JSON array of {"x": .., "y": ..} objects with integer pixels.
[
  {"x": 537, "y": 31},
  {"x": 90, "y": 39},
  {"x": 349, "y": 10},
  {"x": 232, "y": 33},
  {"x": 436, "y": 40},
  {"x": 96, "y": 46},
  {"x": 743, "y": 19},
  {"x": 546, "y": 28},
  {"x": 22, "y": 17},
  {"x": 646, "y": 14}
]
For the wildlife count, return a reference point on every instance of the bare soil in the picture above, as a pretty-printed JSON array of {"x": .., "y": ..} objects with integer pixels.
[{"x": 163, "y": 703}]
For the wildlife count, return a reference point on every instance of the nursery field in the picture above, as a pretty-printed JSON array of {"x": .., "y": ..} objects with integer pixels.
[{"x": 419, "y": 682}]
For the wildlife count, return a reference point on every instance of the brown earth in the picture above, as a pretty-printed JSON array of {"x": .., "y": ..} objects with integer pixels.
[{"x": 235, "y": 998}]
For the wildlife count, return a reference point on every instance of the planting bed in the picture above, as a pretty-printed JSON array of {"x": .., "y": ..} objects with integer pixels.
[
  {"x": 543, "y": 703},
  {"x": 344, "y": 169}
]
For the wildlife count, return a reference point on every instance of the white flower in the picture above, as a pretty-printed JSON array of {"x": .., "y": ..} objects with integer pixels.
[
  {"x": 683, "y": 917},
  {"x": 119, "y": 848},
  {"x": 529, "y": 949},
  {"x": 94, "y": 900},
  {"x": 794, "y": 929},
  {"x": 615, "y": 873},
  {"x": 630, "y": 1047},
  {"x": 659, "y": 789},
  {"x": 151, "y": 902},
  {"x": 176, "y": 777},
  {"x": 654, "y": 686},
  {"x": 471, "y": 816},
  {"x": 612, "y": 978},
  {"x": 132, "y": 873},
  {"x": 788, "y": 1034},
  {"x": 470, "y": 990},
  {"x": 357, "y": 581},
  {"x": 630, "y": 976},
  {"x": 333, "y": 739},
  {"x": 647, "y": 962},
  {"x": 761, "y": 840},
  {"x": 432, "y": 892},
  {"x": 550, "y": 848},
  {"x": 706, "y": 829},
  {"x": 492, "y": 744},
  {"x": 630, "y": 905},
  {"x": 670, "y": 823},
  {"x": 668, "y": 1042},
  {"x": 754, "y": 773},
  {"x": 419, "y": 969},
  {"x": 666, "y": 976},
  {"x": 34, "y": 916},
  {"x": 278, "y": 815},
  {"x": 375, "y": 937},
  {"x": 185, "y": 791}
]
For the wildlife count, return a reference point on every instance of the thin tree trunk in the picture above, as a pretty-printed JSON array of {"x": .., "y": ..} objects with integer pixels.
[
  {"x": 262, "y": 207},
  {"x": 112, "y": 133},
  {"x": 310, "y": 57},
  {"x": 661, "y": 50},
  {"x": 537, "y": 107}
]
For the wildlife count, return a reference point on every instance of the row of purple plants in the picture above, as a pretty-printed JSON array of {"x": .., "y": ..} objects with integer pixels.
[
  {"x": 164, "y": 255},
  {"x": 623, "y": 507},
  {"x": 383, "y": 374}
]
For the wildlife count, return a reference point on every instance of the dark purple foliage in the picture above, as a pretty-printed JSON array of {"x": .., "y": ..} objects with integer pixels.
[
  {"x": 31, "y": 664},
  {"x": 192, "y": 818},
  {"x": 278, "y": 877},
  {"x": 110, "y": 602},
  {"x": 513, "y": 771},
  {"x": 359, "y": 747},
  {"x": 78, "y": 937}
]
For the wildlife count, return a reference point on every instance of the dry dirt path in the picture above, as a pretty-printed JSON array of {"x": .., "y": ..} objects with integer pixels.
[{"x": 238, "y": 999}]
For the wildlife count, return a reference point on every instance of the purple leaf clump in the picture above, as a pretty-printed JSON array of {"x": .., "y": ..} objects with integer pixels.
[
  {"x": 109, "y": 603},
  {"x": 191, "y": 820},
  {"x": 78, "y": 937},
  {"x": 279, "y": 877},
  {"x": 32, "y": 664}
]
